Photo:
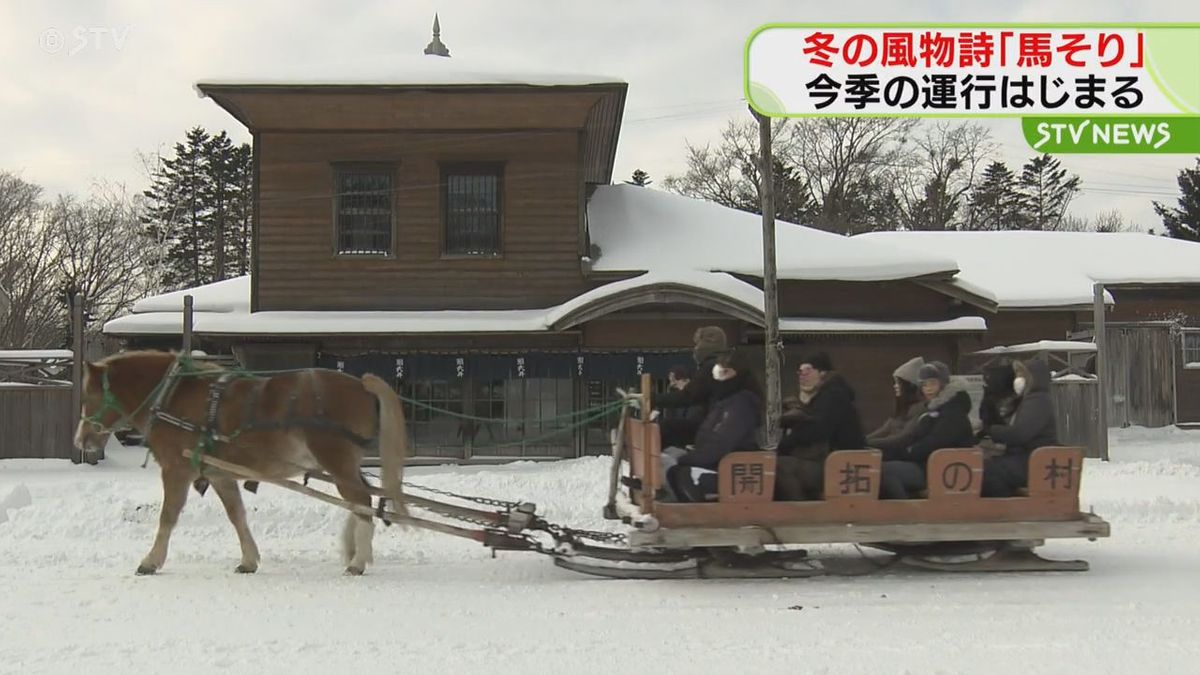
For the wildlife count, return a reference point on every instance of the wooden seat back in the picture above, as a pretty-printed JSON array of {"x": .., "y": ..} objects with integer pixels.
[
  {"x": 852, "y": 474},
  {"x": 1054, "y": 471},
  {"x": 954, "y": 473},
  {"x": 746, "y": 477},
  {"x": 640, "y": 435}
]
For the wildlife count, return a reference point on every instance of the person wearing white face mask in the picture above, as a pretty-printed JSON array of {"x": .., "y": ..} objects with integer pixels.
[
  {"x": 732, "y": 423},
  {"x": 1033, "y": 426}
]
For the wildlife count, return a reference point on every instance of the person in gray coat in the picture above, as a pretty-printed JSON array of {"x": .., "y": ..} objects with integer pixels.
[
  {"x": 899, "y": 430},
  {"x": 1033, "y": 426}
]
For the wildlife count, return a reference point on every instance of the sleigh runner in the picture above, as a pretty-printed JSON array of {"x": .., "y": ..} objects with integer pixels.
[{"x": 197, "y": 424}]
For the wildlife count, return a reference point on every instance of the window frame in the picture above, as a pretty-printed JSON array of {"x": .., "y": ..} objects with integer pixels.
[
  {"x": 339, "y": 169},
  {"x": 1184, "y": 334},
  {"x": 447, "y": 169}
]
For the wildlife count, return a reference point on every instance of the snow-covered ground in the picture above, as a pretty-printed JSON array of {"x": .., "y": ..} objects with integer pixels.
[{"x": 70, "y": 603}]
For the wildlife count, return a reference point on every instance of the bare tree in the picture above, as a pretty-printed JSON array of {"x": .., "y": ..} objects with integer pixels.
[
  {"x": 849, "y": 164},
  {"x": 27, "y": 272},
  {"x": 103, "y": 250},
  {"x": 944, "y": 161},
  {"x": 1105, "y": 221}
]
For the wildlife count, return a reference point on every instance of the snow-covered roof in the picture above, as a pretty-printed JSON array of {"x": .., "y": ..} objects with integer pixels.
[
  {"x": 1051, "y": 269},
  {"x": 1042, "y": 346},
  {"x": 399, "y": 71},
  {"x": 230, "y": 295},
  {"x": 966, "y": 324},
  {"x": 34, "y": 355},
  {"x": 641, "y": 228}
]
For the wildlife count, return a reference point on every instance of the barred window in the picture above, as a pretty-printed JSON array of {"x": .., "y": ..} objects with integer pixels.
[
  {"x": 363, "y": 208},
  {"x": 471, "y": 209},
  {"x": 1191, "y": 348}
]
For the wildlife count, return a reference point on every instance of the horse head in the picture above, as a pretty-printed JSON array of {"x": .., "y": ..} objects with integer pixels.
[{"x": 115, "y": 395}]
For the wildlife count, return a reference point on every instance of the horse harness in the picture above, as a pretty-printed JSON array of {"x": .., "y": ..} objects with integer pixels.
[{"x": 209, "y": 431}]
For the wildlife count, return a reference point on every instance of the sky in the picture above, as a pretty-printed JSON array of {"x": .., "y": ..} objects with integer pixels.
[{"x": 86, "y": 88}]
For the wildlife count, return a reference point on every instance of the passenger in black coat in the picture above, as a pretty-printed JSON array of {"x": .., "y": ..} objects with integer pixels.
[
  {"x": 999, "y": 400},
  {"x": 946, "y": 423},
  {"x": 709, "y": 345},
  {"x": 732, "y": 424},
  {"x": 1033, "y": 426},
  {"x": 823, "y": 418}
]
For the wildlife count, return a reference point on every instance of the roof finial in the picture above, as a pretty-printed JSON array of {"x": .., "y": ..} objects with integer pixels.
[{"x": 436, "y": 48}]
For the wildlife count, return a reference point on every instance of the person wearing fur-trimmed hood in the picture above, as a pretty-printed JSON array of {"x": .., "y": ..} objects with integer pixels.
[
  {"x": 1033, "y": 426},
  {"x": 946, "y": 423}
]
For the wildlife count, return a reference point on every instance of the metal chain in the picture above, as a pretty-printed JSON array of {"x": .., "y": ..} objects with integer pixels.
[
  {"x": 560, "y": 533},
  {"x": 486, "y": 501}
]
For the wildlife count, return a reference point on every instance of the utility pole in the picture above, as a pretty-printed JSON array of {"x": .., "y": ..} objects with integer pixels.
[
  {"x": 187, "y": 325},
  {"x": 771, "y": 344},
  {"x": 1099, "y": 337},
  {"x": 75, "y": 300}
]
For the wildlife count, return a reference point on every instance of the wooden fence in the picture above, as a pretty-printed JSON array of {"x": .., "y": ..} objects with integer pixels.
[
  {"x": 1076, "y": 407},
  {"x": 36, "y": 421},
  {"x": 38, "y": 411}
]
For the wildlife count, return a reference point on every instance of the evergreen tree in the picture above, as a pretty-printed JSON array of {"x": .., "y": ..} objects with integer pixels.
[
  {"x": 200, "y": 206},
  {"x": 995, "y": 201},
  {"x": 1046, "y": 191},
  {"x": 639, "y": 178},
  {"x": 178, "y": 211},
  {"x": 1183, "y": 222}
]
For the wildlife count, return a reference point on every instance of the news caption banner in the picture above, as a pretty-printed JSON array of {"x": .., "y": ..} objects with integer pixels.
[{"x": 1078, "y": 88}]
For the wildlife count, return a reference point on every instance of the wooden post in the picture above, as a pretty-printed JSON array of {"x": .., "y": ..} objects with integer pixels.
[
  {"x": 1102, "y": 375},
  {"x": 771, "y": 344},
  {"x": 76, "y": 368},
  {"x": 647, "y": 504},
  {"x": 187, "y": 324}
]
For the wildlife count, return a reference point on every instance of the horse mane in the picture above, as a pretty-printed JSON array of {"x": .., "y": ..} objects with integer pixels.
[{"x": 139, "y": 354}]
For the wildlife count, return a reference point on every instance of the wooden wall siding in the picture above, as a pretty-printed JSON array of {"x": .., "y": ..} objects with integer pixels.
[
  {"x": 1156, "y": 304},
  {"x": 410, "y": 110},
  {"x": 1017, "y": 327},
  {"x": 539, "y": 267},
  {"x": 624, "y": 333},
  {"x": 1075, "y": 408},
  {"x": 892, "y": 300},
  {"x": 1187, "y": 396},
  {"x": 1139, "y": 367},
  {"x": 36, "y": 422}
]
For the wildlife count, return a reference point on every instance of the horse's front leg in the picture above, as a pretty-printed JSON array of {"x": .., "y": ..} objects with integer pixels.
[
  {"x": 231, "y": 497},
  {"x": 175, "y": 479}
]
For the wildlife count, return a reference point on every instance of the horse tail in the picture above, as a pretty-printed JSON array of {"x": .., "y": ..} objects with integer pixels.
[{"x": 393, "y": 439}]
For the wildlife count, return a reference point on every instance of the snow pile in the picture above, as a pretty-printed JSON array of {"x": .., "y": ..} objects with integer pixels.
[
  {"x": 19, "y": 498},
  {"x": 644, "y": 229},
  {"x": 1052, "y": 269},
  {"x": 437, "y": 604}
]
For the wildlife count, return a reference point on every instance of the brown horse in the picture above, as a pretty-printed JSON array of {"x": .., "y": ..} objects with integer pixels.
[{"x": 278, "y": 427}]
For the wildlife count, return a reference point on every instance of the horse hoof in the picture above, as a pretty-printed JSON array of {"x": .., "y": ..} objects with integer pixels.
[
  {"x": 354, "y": 571},
  {"x": 245, "y": 569},
  {"x": 143, "y": 570}
]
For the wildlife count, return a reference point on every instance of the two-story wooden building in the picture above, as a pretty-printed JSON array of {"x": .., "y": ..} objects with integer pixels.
[{"x": 458, "y": 232}]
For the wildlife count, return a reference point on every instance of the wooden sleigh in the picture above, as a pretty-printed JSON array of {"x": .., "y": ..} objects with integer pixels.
[{"x": 951, "y": 528}]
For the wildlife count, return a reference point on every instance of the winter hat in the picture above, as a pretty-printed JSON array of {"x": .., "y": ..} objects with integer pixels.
[
  {"x": 935, "y": 370},
  {"x": 910, "y": 371},
  {"x": 820, "y": 361},
  {"x": 709, "y": 340}
]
